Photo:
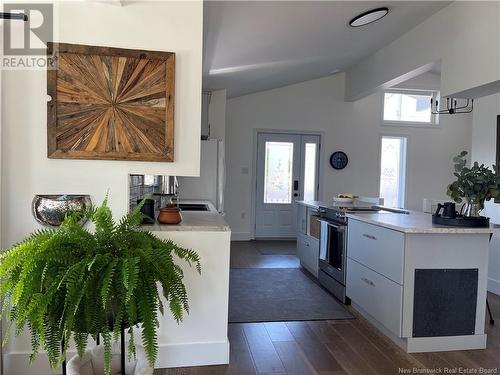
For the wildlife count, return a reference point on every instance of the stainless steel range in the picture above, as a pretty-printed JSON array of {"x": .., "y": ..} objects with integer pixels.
[{"x": 333, "y": 245}]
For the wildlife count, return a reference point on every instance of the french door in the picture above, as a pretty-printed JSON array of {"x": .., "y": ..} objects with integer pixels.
[{"x": 287, "y": 171}]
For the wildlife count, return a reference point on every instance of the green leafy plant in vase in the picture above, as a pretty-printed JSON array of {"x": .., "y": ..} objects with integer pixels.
[
  {"x": 72, "y": 282},
  {"x": 474, "y": 185}
]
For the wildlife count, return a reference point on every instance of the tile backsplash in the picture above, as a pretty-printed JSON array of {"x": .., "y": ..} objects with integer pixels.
[{"x": 141, "y": 185}]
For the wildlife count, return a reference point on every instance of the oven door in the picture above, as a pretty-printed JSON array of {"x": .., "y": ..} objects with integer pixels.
[{"x": 332, "y": 249}]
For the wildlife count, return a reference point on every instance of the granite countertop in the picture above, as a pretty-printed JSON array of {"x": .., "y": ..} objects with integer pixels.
[
  {"x": 194, "y": 222},
  {"x": 415, "y": 222}
]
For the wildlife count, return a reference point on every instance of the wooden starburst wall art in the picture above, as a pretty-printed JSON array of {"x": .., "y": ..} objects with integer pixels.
[{"x": 110, "y": 103}]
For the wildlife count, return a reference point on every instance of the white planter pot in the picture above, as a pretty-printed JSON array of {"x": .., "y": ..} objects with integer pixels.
[{"x": 92, "y": 362}]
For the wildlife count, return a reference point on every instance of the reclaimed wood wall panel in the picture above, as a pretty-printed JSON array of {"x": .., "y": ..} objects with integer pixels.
[{"x": 110, "y": 103}]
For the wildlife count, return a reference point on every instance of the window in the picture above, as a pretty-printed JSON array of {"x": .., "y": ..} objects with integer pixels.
[
  {"x": 278, "y": 172},
  {"x": 393, "y": 171},
  {"x": 310, "y": 171},
  {"x": 407, "y": 106}
]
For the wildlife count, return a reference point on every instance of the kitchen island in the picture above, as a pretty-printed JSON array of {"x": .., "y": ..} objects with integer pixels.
[
  {"x": 423, "y": 285},
  {"x": 201, "y": 339}
]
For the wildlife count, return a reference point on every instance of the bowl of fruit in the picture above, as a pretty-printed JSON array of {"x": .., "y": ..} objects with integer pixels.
[{"x": 344, "y": 198}]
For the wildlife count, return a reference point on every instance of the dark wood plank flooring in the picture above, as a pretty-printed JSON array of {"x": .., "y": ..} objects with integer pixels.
[{"x": 345, "y": 347}]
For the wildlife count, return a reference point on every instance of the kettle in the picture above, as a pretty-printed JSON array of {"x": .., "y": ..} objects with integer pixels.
[
  {"x": 148, "y": 209},
  {"x": 449, "y": 210}
]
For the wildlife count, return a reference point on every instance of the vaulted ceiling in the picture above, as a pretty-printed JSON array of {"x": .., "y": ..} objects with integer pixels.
[{"x": 250, "y": 46}]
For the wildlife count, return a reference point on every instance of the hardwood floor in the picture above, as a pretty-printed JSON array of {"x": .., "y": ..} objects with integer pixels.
[{"x": 340, "y": 347}]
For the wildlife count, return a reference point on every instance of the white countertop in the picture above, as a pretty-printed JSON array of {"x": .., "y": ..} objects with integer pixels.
[
  {"x": 318, "y": 204},
  {"x": 313, "y": 204},
  {"x": 415, "y": 222},
  {"x": 194, "y": 221}
]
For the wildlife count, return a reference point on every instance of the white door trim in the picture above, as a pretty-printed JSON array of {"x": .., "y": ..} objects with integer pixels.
[{"x": 253, "y": 171}]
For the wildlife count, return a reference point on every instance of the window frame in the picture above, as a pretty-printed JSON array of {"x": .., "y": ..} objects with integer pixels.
[
  {"x": 403, "y": 187},
  {"x": 433, "y": 124}
]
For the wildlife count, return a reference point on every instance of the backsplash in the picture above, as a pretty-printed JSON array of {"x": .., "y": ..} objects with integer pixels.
[{"x": 141, "y": 185}]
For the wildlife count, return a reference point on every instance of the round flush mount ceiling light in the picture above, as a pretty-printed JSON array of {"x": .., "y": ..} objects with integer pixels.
[{"x": 369, "y": 17}]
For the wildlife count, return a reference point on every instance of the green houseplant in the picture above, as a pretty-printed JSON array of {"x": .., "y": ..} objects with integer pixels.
[
  {"x": 474, "y": 185},
  {"x": 72, "y": 282}
]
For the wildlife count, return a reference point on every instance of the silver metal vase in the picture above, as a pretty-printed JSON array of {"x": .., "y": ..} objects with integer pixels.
[
  {"x": 472, "y": 209},
  {"x": 51, "y": 209}
]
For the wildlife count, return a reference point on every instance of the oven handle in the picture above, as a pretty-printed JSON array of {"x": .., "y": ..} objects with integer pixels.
[{"x": 338, "y": 227}]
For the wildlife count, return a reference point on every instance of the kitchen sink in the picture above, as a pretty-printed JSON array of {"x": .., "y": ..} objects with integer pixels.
[{"x": 194, "y": 207}]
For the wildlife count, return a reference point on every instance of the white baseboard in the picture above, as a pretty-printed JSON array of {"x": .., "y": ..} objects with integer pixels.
[
  {"x": 493, "y": 286},
  {"x": 241, "y": 236},
  {"x": 180, "y": 355},
  {"x": 445, "y": 343},
  {"x": 193, "y": 354}
]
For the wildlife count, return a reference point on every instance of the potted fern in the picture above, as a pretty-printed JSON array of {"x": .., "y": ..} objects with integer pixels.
[{"x": 74, "y": 283}]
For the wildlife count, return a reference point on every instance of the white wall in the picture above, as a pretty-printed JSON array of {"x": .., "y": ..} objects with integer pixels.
[
  {"x": 26, "y": 171},
  {"x": 163, "y": 26},
  {"x": 484, "y": 151},
  {"x": 217, "y": 114},
  {"x": 355, "y": 128},
  {"x": 213, "y": 123},
  {"x": 464, "y": 36},
  {"x": 426, "y": 81}
]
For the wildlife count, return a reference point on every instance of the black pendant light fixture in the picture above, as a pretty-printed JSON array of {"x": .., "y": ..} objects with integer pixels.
[
  {"x": 369, "y": 17},
  {"x": 452, "y": 107},
  {"x": 13, "y": 16}
]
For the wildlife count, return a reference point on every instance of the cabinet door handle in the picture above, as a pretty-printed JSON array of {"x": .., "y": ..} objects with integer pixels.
[
  {"x": 369, "y": 282},
  {"x": 306, "y": 243},
  {"x": 370, "y": 236}
]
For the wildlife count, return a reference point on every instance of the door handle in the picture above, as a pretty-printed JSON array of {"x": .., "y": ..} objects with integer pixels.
[
  {"x": 296, "y": 185},
  {"x": 369, "y": 236}
]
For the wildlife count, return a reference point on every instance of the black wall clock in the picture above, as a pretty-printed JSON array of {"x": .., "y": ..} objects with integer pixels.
[{"x": 339, "y": 160}]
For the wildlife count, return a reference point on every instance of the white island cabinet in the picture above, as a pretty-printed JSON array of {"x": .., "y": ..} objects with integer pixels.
[
  {"x": 422, "y": 285},
  {"x": 308, "y": 235}
]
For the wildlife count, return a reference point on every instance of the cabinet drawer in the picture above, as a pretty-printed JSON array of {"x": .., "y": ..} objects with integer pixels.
[
  {"x": 376, "y": 294},
  {"x": 378, "y": 248},
  {"x": 308, "y": 253}
]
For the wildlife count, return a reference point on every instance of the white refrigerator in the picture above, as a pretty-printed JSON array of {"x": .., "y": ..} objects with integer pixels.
[{"x": 210, "y": 185}]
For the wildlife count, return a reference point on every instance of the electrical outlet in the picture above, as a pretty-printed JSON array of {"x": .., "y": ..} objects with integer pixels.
[{"x": 244, "y": 170}]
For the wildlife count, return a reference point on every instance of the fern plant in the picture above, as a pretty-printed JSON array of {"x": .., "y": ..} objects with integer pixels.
[{"x": 74, "y": 283}]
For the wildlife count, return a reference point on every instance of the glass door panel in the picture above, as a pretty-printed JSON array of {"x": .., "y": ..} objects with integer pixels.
[
  {"x": 278, "y": 172},
  {"x": 310, "y": 167},
  {"x": 310, "y": 171}
]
